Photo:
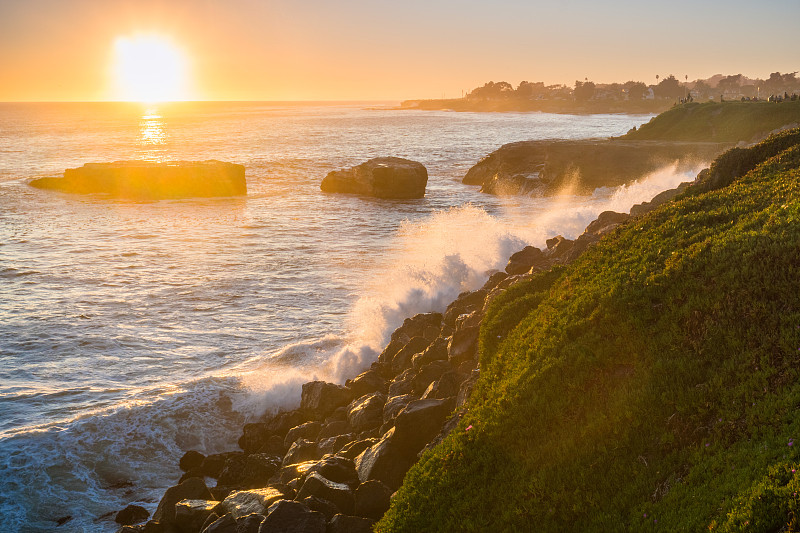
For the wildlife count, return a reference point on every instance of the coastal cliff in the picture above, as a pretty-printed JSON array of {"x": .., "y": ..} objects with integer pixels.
[{"x": 651, "y": 383}]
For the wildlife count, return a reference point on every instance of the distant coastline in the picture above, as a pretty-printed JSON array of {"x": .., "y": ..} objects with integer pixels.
[{"x": 571, "y": 107}]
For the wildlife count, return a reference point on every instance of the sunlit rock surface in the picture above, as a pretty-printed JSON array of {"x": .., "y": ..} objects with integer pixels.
[
  {"x": 151, "y": 181},
  {"x": 381, "y": 177}
]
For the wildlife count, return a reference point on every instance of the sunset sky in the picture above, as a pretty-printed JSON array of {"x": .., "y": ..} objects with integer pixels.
[{"x": 69, "y": 50}]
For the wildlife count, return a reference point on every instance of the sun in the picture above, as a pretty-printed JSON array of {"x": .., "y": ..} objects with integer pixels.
[{"x": 149, "y": 68}]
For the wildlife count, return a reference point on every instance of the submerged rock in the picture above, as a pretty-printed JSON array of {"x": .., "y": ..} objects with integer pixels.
[
  {"x": 146, "y": 180},
  {"x": 381, "y": 177}
]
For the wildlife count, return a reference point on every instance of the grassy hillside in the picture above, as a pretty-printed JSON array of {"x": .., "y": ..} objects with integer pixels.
[
  {"x": 718, "y": 121},
  {"x": 652, "y": 384}
]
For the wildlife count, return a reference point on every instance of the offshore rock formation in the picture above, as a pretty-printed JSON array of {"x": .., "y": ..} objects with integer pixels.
[
  {"x": 145, "y": 180},
  {"x": 542, "y": 168},
  {"x": 381, "y": 177}
]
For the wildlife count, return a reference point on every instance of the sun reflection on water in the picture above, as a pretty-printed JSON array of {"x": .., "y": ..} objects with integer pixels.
[{"x": 151, "y": 128}]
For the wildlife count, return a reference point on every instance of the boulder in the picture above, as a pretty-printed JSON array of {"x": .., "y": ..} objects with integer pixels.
[
  {"x": 294, "y": 471},
  {"x": 145, "y": 180},
  {"x": 402, "y": 384},
  {"x": 220, "y": 524},
  {"x": 605, "y": 222},
  {"x": 350, "y": 524},
  {"x": 524, "y": 260},
  {"x": 191, "y": 489},
  {"x": 464, "y": 345},
  {"x": 213, "y": 465},
  {"x": 248, "y": 471},
  {"x": 321, "y": 399},
  {"x": 402, "y": 359},
  {"x": 466, "y": 303},
  {"x": 466, "y": 388},
  {"x": 366, "y": 412},
  {"x": 386, "y": 461},
  {"x": 446, "y": 386},
  {"x": 190, "y": 515},
  {"x": 366, "y": 382},
  {"x": 372, "y": 499},
  {"x": 428, "y": 374},
  {"x": 301, "y": 450},
  {"x": 420, "y": 421},
  {"x": 250, "y": 523},
  {"x": 244, "y": 502},
  {"x": 334, "y": 444},
  {"x": 394, "y": 405},
  {"x": 354, "y": 449},
  {"x": 254, "y": 437},
  {"x": 132, "y": 514},
  {"x": 381, "y": 177},
  {"x": 323, "y": 506},
  {"x": 334, "y": 428},
  {"x": 191, "y": 460},
  {"x": 338, "y": 494},
  {"x": 292, "y": 517},
  {"x": 336, "y": 468},
  {"x": 308, "y": 431},
  {"x": 282, "y": 422}
]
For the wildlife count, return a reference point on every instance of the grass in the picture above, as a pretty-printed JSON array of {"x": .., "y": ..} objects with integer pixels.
[
  {"x": 652, "y": 384},
  {"x": 718, "y": 121}
]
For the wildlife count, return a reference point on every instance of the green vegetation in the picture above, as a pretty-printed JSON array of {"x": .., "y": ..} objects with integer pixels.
[
  {"x": 718, "y": 121},
  {"x": 651, "y": 385}
]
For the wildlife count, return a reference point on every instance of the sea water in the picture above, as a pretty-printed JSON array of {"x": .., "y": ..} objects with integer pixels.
[{"x": 131, "y": 332}]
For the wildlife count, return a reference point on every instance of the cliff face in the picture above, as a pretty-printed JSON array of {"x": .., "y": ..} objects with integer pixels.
[
  {"x": 651, "y": 383},
  {"x": 546, "y": 167}
]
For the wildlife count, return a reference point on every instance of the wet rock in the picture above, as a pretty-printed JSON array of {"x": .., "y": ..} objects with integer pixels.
[
  {"x": 394, "y": 405},
  {"x": 428, "y": 374},
  {"x": 213, "y": 465},
  {"x": 381, "y": 177},
  {"x": 334, "y": 444},
  {"x": 605, "y": 222},
  {"x": 524, "y": 260},
  {"x": 372, "y": 499},
  {"x": 402, "y": 359},
  {"x": 387, "y": 461},
  {"x": 334, "y": 428},
  {"x": 660, "y": 199},
  {"x": 219, "y": 524},
  {"x": 437, "y": 351},
  {"x": 144, "y": 180},
  {"x": 290, "y": 472},
  {"x": 254, "y": 437},
  {"x": 294, "y": 517},
  {"x": 249, "y": 471},
  {"x": 321, "y": 399},
  {"x": 339, "y": 494},
  {"x": 132, "y": 514},
  {"x": 466, "y": 303},
  {"x": 191, "y": 489},
  {"x": 493, "y": 281},
  {"x": 350, "y": 524},
  {"x": 301, "y": 450},
  {"x": 197, "y": 472},
  {"x": 367, "y": 382},
  {"x": 245, "y": 502},
  {"x": 191, "y": 460},
  {"x": 322, "y": 506},
  {"x": 190, "y": 515},
  {"x": 250, "y": 523},
  {"x": 282, "y": 422},
  {"x": 308, "y": 431},
  {"x": 354, "y": 449},
  {"x": 366, "y": 412},
  {"x": 419, "y": 422},
  {"x": 402, "y": 384},
  {"x": 336, "y": 468}
]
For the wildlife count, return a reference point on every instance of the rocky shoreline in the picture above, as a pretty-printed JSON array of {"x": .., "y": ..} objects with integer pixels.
[{"x": 332, "y": 464}]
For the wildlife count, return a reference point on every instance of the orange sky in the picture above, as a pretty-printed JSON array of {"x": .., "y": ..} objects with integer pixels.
[{"x": 62, "y": 50}]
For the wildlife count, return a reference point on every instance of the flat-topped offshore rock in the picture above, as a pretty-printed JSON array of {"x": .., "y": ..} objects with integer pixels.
[
  {"x": 381, "y": 177},
  {"x": 151, "y": 181}
]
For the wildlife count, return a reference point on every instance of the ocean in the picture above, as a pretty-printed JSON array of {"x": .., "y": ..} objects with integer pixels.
[{"x": 131, "y": 332}]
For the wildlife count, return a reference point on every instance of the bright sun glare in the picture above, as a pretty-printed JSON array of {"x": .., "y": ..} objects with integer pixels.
[{"x": 149, "y": 68}]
